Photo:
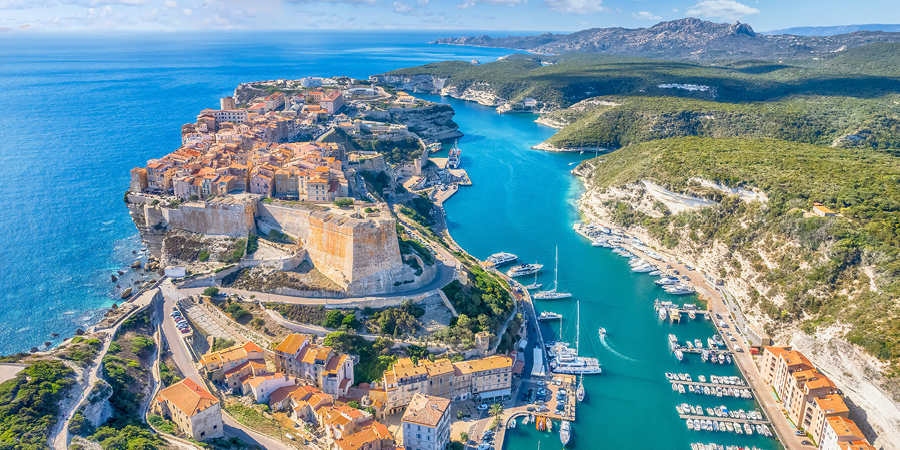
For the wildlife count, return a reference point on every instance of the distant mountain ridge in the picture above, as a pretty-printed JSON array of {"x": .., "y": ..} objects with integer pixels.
[
  {"x": 689, "y": 38},
  {"x": 837, "y": 29}
]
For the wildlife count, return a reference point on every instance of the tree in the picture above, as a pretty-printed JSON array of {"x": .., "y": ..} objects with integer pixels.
[
  {"x": 354, "y": 404},
  {"x": 343, "y": 202},
  {"x": 350, "y": 322},
  {"x": 211, "y": 291},
  {"x": 463, "y": 436},
  {"x": 496, "y": 412},
  {"x": 333, "y": 319}
]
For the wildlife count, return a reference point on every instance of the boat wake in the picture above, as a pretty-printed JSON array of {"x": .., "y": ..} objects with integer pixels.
[{"x": 605, "y": 344}]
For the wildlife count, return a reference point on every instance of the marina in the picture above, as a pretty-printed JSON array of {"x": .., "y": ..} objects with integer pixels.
[{"x": 612, "y": 295}]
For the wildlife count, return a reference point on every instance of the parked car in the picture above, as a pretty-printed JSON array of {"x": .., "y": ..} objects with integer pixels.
[
  {"x": 676, "y": 272},
  {"x": 482, "y": 407},
  {"x": 530, "y": 408},
  {"x": 541, "y": 383},
  {"x": 185, "y": 330},
  {"x": 799, "y": 433}
]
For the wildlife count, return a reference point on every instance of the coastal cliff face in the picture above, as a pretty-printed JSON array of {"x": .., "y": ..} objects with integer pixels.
[
  {"x": 433, "y": 122},
  {"x": 480, "y": 92},
  {"x": 873, "y": 397}
]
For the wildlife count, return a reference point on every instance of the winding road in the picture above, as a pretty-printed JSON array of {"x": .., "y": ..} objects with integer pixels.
[{"x": 185, "y": 363}]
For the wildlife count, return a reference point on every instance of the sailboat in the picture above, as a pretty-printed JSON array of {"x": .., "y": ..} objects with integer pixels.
[
  {"x": 568, "y": 361},
  {"x": 579, "y": 393},
  {"x": 552, "y": 294}
]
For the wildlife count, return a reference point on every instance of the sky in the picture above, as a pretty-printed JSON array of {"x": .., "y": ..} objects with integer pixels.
[{"x": 496, "y": 16}]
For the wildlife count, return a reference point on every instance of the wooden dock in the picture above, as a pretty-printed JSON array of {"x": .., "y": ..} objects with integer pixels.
[{"x": 725, "y": 419}]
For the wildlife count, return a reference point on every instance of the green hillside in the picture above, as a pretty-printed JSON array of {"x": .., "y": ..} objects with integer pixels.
[
  {"x": 864, "y": 72},
  {"x": 823, "y": 277},
  {"x": 873, "y": 123}
]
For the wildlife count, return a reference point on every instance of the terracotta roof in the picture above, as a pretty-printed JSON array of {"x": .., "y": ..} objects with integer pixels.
[
  {"x": 255, "y": 367},
  {"x": 844, "y": 427},
  {"x": 356, "y": 441},
  {"x": 334, "y": 364},
  {"x": 189, "y": 397},
  {"x": 282, "y": 393},
  {"x": 855, "y": 445},
  {"x": 291, "y": 344},
  {"x": 491, "y": 362},
  {"x": 832, "y": 404},
  {"x": 255, "y": 381},
  {"x": 426, "y": 410}
]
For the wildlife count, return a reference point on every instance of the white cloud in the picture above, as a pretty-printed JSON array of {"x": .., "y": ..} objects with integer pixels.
[
  {"x": 725, "y": 9},
  {"x": 187, "y": 11},
  {"x": 95, "y": 3},
  {"x": 645, "y": 15},
  {"x": 351, "y": 2},
  {"x": 24, "y": 4},
  {"x": 470, "y": 3},
  {"x": 171, "y": 4},
  {"x": 575, "y": 6}
]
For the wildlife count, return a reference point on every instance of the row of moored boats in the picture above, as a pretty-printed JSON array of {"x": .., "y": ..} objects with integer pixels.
[
  {"x": 711, "y": 446},
  {"x": 727, "y": 426},
  {"x": 719, "y": 411}
]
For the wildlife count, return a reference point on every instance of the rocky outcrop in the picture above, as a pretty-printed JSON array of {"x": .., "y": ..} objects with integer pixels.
[
  {"x": 433, "y": 122},
  {"x": 680, "y": 39}
]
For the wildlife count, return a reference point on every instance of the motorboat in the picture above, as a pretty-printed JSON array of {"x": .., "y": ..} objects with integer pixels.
[
  {"x": 679, "y": 355},
  {"x": 565, "y": 432},
  {"x": 666, "y": 281},
  {"x": 602, "y": 332},
  {"x": 524, "y": 269},
  {"x": 547, "y": 315}
]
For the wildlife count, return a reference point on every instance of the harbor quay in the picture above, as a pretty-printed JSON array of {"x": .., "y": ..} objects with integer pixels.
[{"x": 739, "y": 349}]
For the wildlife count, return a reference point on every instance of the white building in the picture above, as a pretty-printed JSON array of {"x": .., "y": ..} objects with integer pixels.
[
  {"x": 231, "y": 115},
  {"x": 261, "y": 386},
  {"x": 426, "y": 423},
  {"x": 843, "y": 434},
  {"x": 311, "y": 82}
]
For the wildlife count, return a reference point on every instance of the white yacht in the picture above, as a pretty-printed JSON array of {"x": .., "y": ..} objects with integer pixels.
[
  {"x": 499, "y": 259},
  {"x": 666, "y": 281},
  {"x": 568, "y": 361},
  {"x": 553, "y": 294},
  {"x": 680, "y": 289},
  {"x": 524, "y": 269},
  {"x": 547, "y": 315},
  {"x": 565, "y": 432},
  {"x": 643, "y": 268}
]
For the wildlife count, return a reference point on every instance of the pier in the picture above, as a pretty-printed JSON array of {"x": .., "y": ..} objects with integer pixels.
[{"x": 725, "y": 419}]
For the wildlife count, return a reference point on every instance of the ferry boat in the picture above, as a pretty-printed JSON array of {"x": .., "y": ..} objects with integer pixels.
[
  {"x": 499, "y": 259},
  {"x": 569, "y": 362},
  {"x": 553, "y": 294},
  {"x": 547, "y": 315},
  {"x": 524, "y": 269},
  {"x": 453, "y": 158},
  {"x": 565, "y": 432}
]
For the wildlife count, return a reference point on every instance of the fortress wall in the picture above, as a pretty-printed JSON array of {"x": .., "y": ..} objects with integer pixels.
[
  {"x": 375, "y": 247},
  {"x": 230, "y": 219},
  {"x": 293, "y": 222},
  {"x": 330, "y": 246}
]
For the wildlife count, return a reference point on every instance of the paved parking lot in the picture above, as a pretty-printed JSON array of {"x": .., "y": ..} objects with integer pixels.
[{"x": 198, "y": 316}]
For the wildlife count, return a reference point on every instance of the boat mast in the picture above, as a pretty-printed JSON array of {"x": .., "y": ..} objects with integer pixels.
[
  {"x": 577, "y": 324},
  {"x": 556, "y": 270}
]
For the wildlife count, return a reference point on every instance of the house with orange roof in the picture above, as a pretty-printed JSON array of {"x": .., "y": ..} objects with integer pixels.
[
  {"x": 798, "y": 397},
  {"x": 330, "y": 371},
  {"x": 342, "y": 420},
  {"x": 233, "y": 378},
  {"x": 841, "y": 433},
  {"x": 216, "y": 364},
  {"x": 301, "y": 403},
  {"x": 261, "y": 386},
  {"x": 194, "y": 410},
  {"x": 372, "y": 437},
  {"x": 426, "y": 423}
]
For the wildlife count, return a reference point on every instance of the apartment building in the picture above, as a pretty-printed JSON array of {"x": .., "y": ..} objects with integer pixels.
[
  {"x": 332, "y": 102},
  {"x": 138, "y": 180},
  {"x": 331, "y": 372},
  {"x": 485, "y": 378},
  {"x": 843, "y": 434},
  {"x": 426, "y": 423},
  {"x": 810, "y": 398},
  {"x": 194, "y": 410},
  {"x": 300, "y": 403}
]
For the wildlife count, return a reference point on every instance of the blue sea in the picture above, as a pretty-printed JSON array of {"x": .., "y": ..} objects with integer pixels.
[{"x": 79, "y": 111}]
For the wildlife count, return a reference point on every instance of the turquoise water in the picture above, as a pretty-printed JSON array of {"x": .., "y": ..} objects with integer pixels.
[
  {"x": 523, "y": 201},
  {"x": 80, "y": 111}
]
